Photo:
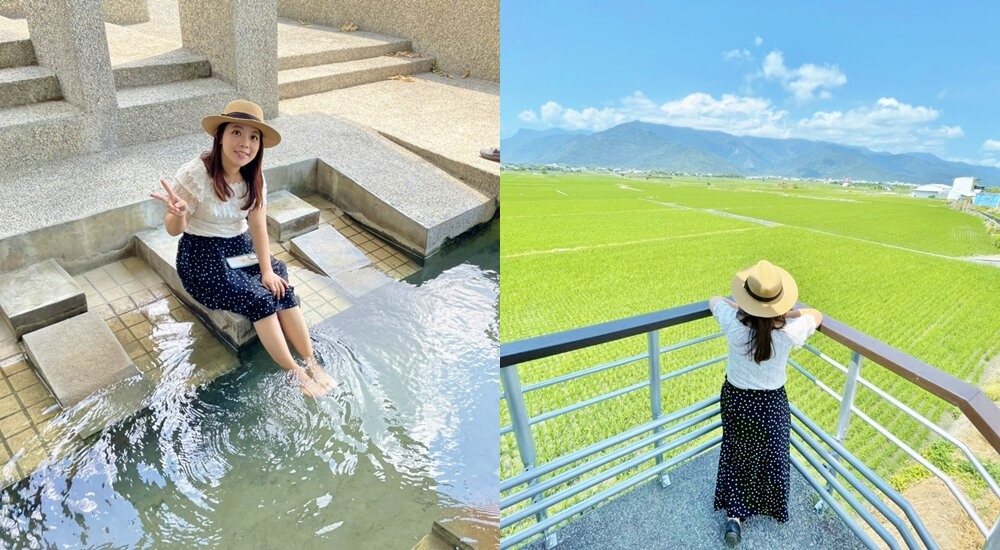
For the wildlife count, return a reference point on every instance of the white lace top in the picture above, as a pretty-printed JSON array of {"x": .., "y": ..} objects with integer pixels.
[
  {"x": 211, "y": 217},
  {"x": 741, "y": 371}
]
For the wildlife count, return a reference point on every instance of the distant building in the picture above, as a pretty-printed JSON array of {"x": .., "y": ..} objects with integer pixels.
[
  {"x": 932, "y": 191},
  {"x": 989, "y": 200},
  {"x": 963, "y": 187}
]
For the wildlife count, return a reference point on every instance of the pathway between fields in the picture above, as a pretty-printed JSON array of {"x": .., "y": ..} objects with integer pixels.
[
  {"x": 620, "y": 244},
  {"x": 993, "y": 260}
]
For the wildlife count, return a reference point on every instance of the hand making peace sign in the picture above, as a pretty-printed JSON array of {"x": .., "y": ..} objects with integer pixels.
[{"x": 175, "y": 205}]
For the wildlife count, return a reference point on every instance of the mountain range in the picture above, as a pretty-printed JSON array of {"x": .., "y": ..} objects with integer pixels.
[{"x": 648, "y": 146}]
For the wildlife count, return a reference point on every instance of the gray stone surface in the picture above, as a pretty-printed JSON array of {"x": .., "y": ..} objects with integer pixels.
[
  {"x": 38, "y": 296},
  {"x": 681, "y": 516},
  {"x": 304, "y": 46},
  {"x": 323, "y": 78},
  {"x": 169, "y": 67},
  {"x": 446, "y": 121},
  {"x": 125, "y": 12},
  {"x": 41, "y": 132},
  {"x": 289, "y": 216},
  {"x": 159, "y": 250},
  {"x": 328, "y": 251},
  {"x": 16, "y": 53},
  {"x": 462, "y": 37},
  {"x": 12, "y": 8},
  {"x": 241, "y": 42},
  {"x": 78, "y": 357},
  {"x": 177, "y": 108},
  {"x": 413, "y": 198},
  {"x": 69, "y": 39},
  {"x": 26, "y": 85}
]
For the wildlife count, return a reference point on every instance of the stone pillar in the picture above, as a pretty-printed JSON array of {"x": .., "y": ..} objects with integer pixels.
[
  {"x": 126, "y": 12},
  {"x": 69, "y": 39},
  {"x": 240, "y": 40}
]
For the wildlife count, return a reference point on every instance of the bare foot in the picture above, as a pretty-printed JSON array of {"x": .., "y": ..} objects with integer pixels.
[
  {"x": 320, "y": 376},
  {"x": 308, "y": 386}
]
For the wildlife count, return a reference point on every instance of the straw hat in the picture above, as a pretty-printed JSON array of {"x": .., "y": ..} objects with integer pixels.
[
  {"x": 765, "y": 290},
  {"x": 244, "y": 112}
]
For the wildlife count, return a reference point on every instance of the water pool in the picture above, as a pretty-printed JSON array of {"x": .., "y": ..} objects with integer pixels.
[{"x": 246, "y": 461}]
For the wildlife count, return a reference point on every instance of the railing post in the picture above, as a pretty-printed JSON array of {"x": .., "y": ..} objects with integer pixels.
[
  {"x": 655, "y": 400},
  {"x": 846, "y": 402},
  {"x": 519, "y": 419},
  {"x": 993, "y": 539}
]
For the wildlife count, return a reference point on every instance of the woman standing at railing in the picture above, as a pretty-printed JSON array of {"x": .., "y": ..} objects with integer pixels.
[{"x": 761, "y": 329}]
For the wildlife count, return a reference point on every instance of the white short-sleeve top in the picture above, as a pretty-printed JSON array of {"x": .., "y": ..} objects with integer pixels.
[
  {"x": 211, "y": 217},
  {"x": 741, "y": 370}
]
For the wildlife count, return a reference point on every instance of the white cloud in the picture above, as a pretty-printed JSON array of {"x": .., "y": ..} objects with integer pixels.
[
  {"x": 885, "y": 125},
  {"x": 528, "y": 116},
  {"x": 757, "y": 40},
  {"x": 804, "y": 81},
  {"x": 991, "y": 145},
  {"x": 988, "y": 162},
  {"x": 589, "y": 118},
  {"x": 738, "y": 55}
]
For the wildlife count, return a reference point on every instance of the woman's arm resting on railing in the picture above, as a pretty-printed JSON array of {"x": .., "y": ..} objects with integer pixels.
[
  {"x": 714, "y": 300},
  {"x": 814, "y": 313}
]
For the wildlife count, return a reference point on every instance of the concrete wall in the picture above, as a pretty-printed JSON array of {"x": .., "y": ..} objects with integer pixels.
[
  {"x": 462, "y": 36},
  {"x": 13, "y": 8},
  {"x": 126, "y": 12}
]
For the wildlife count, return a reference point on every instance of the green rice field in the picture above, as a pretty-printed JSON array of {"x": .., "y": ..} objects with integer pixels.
[{"x": 580, "y": 249}]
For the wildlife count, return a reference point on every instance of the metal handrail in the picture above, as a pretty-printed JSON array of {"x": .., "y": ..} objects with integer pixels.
[{"x": 968, "y": 398}]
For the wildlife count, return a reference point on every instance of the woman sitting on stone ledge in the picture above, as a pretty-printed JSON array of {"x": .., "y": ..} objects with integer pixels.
[{"x": 212, "y": 200}]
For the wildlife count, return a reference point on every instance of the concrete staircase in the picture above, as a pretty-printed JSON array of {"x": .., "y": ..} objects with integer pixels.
[
  {"x": 31, "y": 103},
  {"x": 314, "y": 59}
]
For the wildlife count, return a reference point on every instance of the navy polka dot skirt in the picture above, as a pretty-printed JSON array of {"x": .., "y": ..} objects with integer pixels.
[
  {"x": 202, "y": 267},
  {"x": 753, "y": 463}
]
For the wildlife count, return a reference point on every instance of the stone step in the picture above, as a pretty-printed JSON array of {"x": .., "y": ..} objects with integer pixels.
[
  {"x": 28, "y": 85},
  {"x": 38, "y": 296},
  {"x": 159, "y": 250},
  {"x": 175, "y": 66},
  {"x": 306, "y": 46},
  {"x": 177, "y": 108},
  {"x": 289, "y": 216},
  {"x": 17, "y": 53},
  {"x": 31, "y": 134},
  {"x": 432, "y": 542},
  {"x": 323, "y": 78},
  {"x": 78, "y": 356},
  {"x": 327, "y": 251}
]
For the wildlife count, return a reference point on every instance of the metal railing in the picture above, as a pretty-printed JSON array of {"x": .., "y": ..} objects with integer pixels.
[{"x": 557, "y": 490}]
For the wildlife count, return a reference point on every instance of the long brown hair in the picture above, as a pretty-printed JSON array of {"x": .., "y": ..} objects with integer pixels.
[
  {"x": 251, "y": 173},
  {"x": 759, "y": 342}
]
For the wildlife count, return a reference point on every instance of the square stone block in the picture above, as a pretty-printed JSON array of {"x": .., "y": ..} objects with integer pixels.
[
  {"x": 78, "y": 356},
  {"x": 328, "y": 251},
  {"x": 38, "y": 296},
  {"x": 289, "y": 216}
]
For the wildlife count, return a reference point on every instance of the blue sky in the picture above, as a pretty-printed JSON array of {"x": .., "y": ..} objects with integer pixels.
[{"x": 914, "y": 76}]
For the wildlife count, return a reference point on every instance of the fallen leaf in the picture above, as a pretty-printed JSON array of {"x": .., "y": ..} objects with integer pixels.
[
  {"x": 348, "y": 27},
  {"x": 402, "y": 77}
]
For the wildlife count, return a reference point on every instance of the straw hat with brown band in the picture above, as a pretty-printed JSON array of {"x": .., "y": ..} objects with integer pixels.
[
  {"x": 765, "y": 290},
  {"x": 243, "y": 112}
]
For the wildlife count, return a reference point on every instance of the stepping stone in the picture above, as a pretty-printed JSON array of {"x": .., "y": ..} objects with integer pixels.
[
  {"x": 159, "y": 250},
  {"x": 329, "y": 252},
  {"x": 289, "y": 216},
  {"x": 38, "y": 296},
  {"x": 77, "y": 357}
]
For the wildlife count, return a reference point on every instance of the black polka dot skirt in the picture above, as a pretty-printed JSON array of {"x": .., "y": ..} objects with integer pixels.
[
  {"x": 202, "y": 267},
  {"x": 753, "y": 463}
]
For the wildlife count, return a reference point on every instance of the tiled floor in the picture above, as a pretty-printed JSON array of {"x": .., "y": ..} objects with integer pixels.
[{"x": 158, "y": 332}]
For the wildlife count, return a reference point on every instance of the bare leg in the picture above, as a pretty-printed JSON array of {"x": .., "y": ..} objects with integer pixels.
[
  {"x": 293, "y": 324},
  {"x": 269, "y": 331}
]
